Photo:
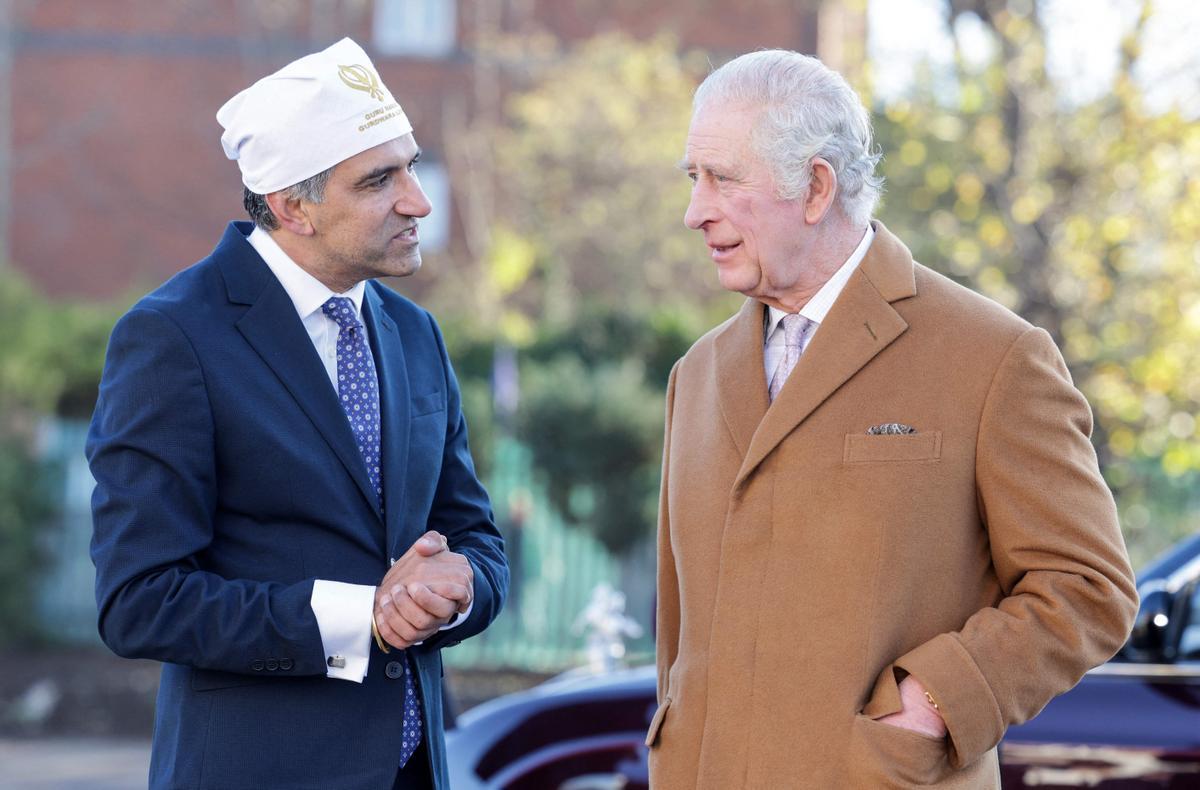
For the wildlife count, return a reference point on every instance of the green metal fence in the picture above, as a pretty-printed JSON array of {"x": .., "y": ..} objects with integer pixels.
[
  {"x": 66, "y": 599},
  {"x": 555, "y": 569}
]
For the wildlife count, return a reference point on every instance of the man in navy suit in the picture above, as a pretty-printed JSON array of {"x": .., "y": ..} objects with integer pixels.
[{"x": 286, "y": 512}]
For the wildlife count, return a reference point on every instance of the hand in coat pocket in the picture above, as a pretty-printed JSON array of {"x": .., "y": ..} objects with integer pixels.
[{"x": 918, "y": 713}]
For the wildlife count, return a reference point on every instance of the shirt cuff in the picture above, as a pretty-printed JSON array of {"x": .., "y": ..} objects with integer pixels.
[{"x": 343, "y": 613}]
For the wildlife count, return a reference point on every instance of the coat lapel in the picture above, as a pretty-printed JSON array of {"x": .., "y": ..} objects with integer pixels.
[
  {"x": 861, "y": 323},
  {"x": 736, "y": 364},
  {"x": 274, "y": 330},
  {"x": 394, "y": 402}
]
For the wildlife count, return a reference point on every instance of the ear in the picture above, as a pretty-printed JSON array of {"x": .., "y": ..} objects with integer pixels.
[
  {"x": 822, "y": 188},
  {"x": 291, "y": 213}
]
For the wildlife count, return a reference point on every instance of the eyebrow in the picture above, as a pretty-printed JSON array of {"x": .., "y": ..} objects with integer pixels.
[
  {"x": 687, "y": 166},
  {"x": 384, "y": 170}
]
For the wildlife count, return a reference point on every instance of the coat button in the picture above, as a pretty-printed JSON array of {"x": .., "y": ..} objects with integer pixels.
[
  {"x": 286, "y": 664},
  {"x": 257, "y": 665},
  {"x": 272, "y": 665},
  {"x": 394, "y": 669}
]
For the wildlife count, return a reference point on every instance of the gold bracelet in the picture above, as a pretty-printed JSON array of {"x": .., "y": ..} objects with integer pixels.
[
  {"x": 929, "y": 697},
  {"x": 379, "y": 639}
]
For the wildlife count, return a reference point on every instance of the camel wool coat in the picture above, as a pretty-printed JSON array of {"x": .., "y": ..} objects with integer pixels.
[{"x": 806, "y": 566}]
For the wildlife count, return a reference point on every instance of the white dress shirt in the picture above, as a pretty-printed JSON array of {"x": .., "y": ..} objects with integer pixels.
[
  {"x": 343, "y": 611},
  {"x": 815, "y": 311}
]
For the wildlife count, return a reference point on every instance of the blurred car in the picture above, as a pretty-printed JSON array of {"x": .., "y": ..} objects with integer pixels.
[{"x": 1131, "y": 723}]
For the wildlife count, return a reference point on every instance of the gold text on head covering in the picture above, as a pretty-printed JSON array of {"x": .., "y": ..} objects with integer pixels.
[
  {"x": 383, "y": 114},
  {"x": 361, "y": 79}
]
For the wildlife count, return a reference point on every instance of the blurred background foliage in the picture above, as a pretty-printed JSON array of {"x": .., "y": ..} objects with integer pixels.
[
  {"x": 50, "y": 361},
  {"x": 588, "y": 276},
  {"x": 584, "y": 286},
  {"x": 1084, "y": 219}
]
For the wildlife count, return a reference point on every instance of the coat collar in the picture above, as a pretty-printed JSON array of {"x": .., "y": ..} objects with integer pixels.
[
  {"x": 861, "y": 324},
  {"x": 244, "y": 272}
]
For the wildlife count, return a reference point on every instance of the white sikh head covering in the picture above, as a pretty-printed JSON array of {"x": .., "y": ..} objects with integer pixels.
[{"x": 305, "y": 118}]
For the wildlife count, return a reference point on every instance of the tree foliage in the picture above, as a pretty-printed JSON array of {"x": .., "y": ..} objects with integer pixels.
[
  {"x": 590, "y": 204},
  {"x": 50, "y": 363},
  {"x": 1084, "y": 219},
  {"x": 53, "y": 353},
  {"x": 592, "y": 413},
  {"x": 590, "y": 275}
]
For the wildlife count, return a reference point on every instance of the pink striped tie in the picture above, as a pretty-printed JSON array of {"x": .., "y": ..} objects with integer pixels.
[{"x": 796, "y": 329}]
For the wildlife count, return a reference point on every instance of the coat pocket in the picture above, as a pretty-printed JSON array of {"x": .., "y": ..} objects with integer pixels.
[
  {"x": 861, "y": 448},
  {"x": 657, "y": 722},
  {"x": 431, "y": 403},
  {"x": 883, "y": 755}
]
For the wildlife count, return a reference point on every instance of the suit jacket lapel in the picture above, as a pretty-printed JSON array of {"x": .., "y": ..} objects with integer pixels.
[
  {"x": 274, "y": 330},
  {"x": 861, "y": 323},
  {"x": 394, "y": 403}
]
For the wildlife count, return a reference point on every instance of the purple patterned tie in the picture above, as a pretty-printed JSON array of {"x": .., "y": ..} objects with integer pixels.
[
  {"x": 796, "y": 329},
  {"x": 358, "y": 387},
  {"x": 358, "y": 392},
  {"x": 410, "y": 738}
]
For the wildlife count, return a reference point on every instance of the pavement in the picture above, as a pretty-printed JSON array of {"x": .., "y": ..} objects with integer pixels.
[{"x": 73, "y": 764}]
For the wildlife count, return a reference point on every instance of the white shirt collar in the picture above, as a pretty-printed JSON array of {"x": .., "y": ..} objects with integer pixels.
[
  {"x": 818, "y": 307},
  {"x": 306, "y": 292}
]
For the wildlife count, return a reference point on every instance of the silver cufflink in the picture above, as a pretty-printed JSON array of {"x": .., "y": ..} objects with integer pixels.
[{"x": 337, "y": 662}]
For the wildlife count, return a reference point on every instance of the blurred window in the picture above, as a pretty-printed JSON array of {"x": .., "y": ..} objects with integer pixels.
[
  {"x": 435, "y": 229},
  {"x": 422, "y": 28}
]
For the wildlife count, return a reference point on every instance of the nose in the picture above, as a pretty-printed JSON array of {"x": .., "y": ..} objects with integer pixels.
[
  {"x": 413, "y": 202},
  {"x": 700, "y": 207}
]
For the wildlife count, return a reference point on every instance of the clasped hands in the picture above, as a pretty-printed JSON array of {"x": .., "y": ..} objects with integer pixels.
[{"x": 422, "y": 591}]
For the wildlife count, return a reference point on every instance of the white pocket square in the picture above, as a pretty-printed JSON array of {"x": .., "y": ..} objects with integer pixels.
[{"x": 890, "y": 429}]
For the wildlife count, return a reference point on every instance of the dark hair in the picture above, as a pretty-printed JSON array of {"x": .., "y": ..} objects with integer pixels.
[{"x": 310, "y": 189}]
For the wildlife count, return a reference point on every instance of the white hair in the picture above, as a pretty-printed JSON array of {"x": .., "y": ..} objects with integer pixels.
[{"x": 809, "y": 110}]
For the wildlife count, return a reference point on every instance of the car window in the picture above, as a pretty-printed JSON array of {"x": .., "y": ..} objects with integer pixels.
[{"x": 1189, "y": 638}]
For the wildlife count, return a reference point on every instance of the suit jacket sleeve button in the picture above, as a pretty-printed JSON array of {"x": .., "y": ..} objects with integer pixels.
[
  {"x": 257, "y": 665},
  {"x": 286, "y": 664},
  {"x": 272, "y": 665},
  {"x": 394, "y": 669}
]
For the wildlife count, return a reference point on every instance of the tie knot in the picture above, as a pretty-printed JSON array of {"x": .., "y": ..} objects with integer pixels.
[
  {"x": 795, "y": 326},
  {"x": 341, "y": 310}
]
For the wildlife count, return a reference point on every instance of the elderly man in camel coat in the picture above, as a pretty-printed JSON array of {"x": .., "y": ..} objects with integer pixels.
[{"x": 884, "y": 537}]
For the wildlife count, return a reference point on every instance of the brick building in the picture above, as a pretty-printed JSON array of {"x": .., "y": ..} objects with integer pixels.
[{"x": 111, "y": 171}]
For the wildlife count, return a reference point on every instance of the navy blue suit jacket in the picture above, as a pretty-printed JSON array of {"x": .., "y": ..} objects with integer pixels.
[{"x": 228, "y": 480}]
